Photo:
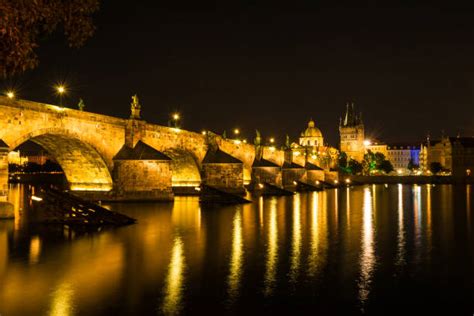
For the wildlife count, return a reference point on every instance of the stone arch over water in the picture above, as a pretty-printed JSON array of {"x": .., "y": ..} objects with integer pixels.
[{"x": 83, "y": 166}]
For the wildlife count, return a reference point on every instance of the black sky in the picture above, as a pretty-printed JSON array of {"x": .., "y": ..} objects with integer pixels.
[{"x": 258, "y": 64}]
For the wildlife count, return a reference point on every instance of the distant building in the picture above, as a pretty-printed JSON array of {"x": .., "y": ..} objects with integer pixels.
[
  {"x": 14, "y": 157},
  {"x": 311, "y": 136},
  {"x": 311, "y": 148},
  {"x": 376, "y": 147},
  {"x": 351, "y": 131},
  {"x": 401, "y": 154},
  {"x": 454, "y": 154}
]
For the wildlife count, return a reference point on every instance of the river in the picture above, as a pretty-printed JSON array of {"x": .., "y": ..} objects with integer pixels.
[{"x": 370, "y": 249}]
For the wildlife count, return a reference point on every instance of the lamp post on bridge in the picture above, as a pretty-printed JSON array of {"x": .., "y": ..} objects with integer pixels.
[{"x": 60, "y": 90}]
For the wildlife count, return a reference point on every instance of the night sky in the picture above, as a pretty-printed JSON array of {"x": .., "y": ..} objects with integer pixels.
[{"x": 257, "y": 64}]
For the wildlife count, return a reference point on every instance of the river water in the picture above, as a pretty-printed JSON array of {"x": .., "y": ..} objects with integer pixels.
[{"x": 361, "y": 250}]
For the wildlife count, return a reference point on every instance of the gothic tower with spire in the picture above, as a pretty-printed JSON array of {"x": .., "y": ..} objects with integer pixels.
[{"x": 351, "y": 131}]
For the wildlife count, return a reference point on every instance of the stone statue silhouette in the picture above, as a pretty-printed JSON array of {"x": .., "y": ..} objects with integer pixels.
[{"x": 135, "y": 107}]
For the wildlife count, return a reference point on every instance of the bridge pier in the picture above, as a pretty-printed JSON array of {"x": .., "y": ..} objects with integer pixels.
[
  {"x": 6, "y": 209},
  {"x": 265, "y": 171},
  {"x": 291, "y": 174},
  {"x": 141, "y": 173},
  {"x": 222, "y": 171}
]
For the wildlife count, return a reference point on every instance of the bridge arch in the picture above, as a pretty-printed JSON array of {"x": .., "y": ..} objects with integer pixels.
[{"x": 83, "y": 166}]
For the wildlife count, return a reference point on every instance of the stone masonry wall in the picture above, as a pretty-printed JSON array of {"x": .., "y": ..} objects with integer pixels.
[
  {"x": 228, "y": 177},
  {"x": 132, "y": 177}
]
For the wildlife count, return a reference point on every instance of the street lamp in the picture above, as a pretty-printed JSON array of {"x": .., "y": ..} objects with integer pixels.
[
  {"x": 10, "y": 94},
  {"x": 175, "y": 118},
  {"x": 236, "y": 131},
  {"x": 272, "y": 140},
  {"x": 60, "y": 90}
]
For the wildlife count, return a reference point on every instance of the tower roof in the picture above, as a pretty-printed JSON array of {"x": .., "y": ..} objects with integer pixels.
[{"x": 350, "y": 118}]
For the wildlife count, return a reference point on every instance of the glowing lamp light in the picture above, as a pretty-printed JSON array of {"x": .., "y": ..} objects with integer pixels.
[
  {"x": 237, "y": 141},
  {"x": 295, "y": 183},
  {"x": 175, "y": 116},
  {"x": 348, "y": 181},
  {"x": 317, "y": 182},
  {"x": 367, "y": 142},
  {"x": 245, "y": 141},
  {"x": 36, "y": 198},
  {"x": 336, "y": 182},
  {"x": 10, "y": 94},
  {"x": 296, "y": 153},
  {"x": 236, "y": 131},
  {"x": 272, "y": 148},
  {"x": 260, "y": 185},
  {"x": 61, "y": 89},
  {"x": 313, "y": 156},
  {"x": 204, "y": 133},
  {"x": 272, "y": 140}
]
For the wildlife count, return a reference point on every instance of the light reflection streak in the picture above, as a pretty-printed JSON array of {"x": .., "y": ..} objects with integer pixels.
[
  {"x": 367, "y": 258},
  {"x": 272, "y": 250},
  {"x": 401, "y": 229},
  {"x": 348, "y": 208},
  {"x": 260, "y": 210},
  {"x": 417, "y": 215},
  {"x": 318, "y": 237},
  {"x": 468, "y": 207},
  {"x": 236, "y": 257},
  {"x": 428, "y": 215},
  {"x": 35, "y": 249},
  {"x": 296, "y": 239},
  {"x": 62, "y": 303},
  {"x": 172, "y": 303}
]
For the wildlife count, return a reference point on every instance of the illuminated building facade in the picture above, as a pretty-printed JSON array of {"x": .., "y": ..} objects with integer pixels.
[{"x": 351, "y": 131}]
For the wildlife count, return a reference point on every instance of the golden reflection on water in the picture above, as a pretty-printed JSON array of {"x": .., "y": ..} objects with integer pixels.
[
  {"x": 172, "y": 303},
  {"x": 272, "y": 249},
  {"x": 62, "y": 300},
  {"x": 318, "y": 242},
  {"x": 468, "y": 207},
  {"x": 35, "y": 249},
  {"x": 367, "y": 258},
  {"x": 296, "y": 239},
  {"x": 236, "y": 256},
  {"x": 428, "y": 215},
  {"x": 401, "y": 229},
  {"x": 417, "y": 216}
]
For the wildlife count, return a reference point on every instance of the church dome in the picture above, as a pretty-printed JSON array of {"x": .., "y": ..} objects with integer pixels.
[{"x": 312, "y": 130}]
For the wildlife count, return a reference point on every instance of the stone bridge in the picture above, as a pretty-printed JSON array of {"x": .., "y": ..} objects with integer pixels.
[{"x": 129, "y": 158}]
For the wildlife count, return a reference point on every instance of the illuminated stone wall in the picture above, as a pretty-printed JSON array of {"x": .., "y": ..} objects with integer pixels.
[
  {"x": 314, "y": 175},
  {"x": 228, "y": 177},
  {"x": 270, "y": 175},
  {"x": 3, "y": 174},
  {"x": 142, "y": 180},
  {"x": 289, "y": 176}
]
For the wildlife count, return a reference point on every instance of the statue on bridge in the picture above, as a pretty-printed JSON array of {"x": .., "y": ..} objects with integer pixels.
[{"x": 136, "y": 107}]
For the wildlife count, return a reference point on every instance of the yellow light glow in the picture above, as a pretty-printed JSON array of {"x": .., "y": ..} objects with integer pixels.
[
  {"x": 260, "y": 185},
  {"x": 313, "y": 156},
  {"x": 61, "y": 89},
  {"x": 367, "y": 142},
  {"x": 272, "y": 249},
  {"x": 176, "y": 116},
  {"x": 296, "y": 240},
  {"x": 204, "y": 132},
  {"x": 236, "y": 131},
  {"x": 348, "y": 180},
  {"x": 367, "y": 258},
  {"x": 245, "y": 141},
  {"x": 336, "y": 182},
  {"x": 174, "y": 279},
  {"x": 272, "y": 140},
  {"x": 272, "y": 148},
  {"x": 10, "y": 94},
  {"x": 236, "y": 256},
  {"x": 237, "y": 141},
  {"x": 296, "y": 153}
]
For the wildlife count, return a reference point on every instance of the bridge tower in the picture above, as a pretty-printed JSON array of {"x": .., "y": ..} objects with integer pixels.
[{"x": 351, "y": 131}]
